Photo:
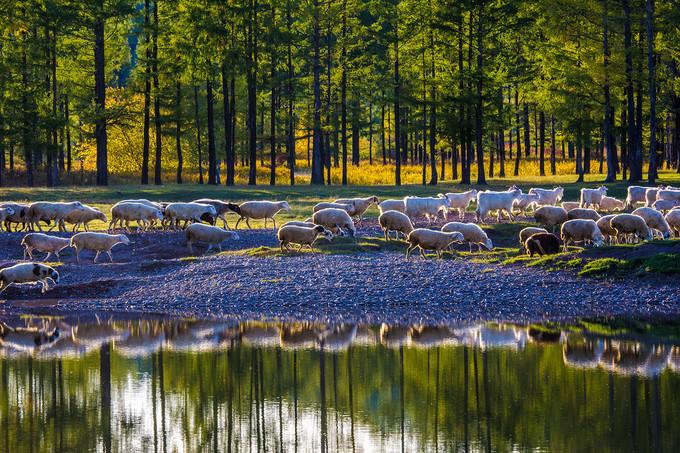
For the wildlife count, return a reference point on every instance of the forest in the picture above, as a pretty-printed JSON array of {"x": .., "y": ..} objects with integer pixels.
[{"x": 337, "y": 91}]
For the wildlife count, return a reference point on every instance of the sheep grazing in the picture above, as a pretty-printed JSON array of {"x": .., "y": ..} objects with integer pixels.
[
  {"x": 222, "y": 208},
  {"x": 335, "y": 220},
  {"x": 668, "y": 194},
  {"x": 19, "y": 217},
  {"x": 460, "y": 201},
  {"x": 664, "y": 205},
  {"x": 361, "y": 205},
  {"x": 551, "y": 216},
  {"x": 98, "y": 242},
  {"x": 308, "y": 224},
  {"x": 655, "y": 221},
  {"x": 650, "y": 196},
  {"x": 48, "y": 211},
  {"x": 4, "y": 214},
  {"x": 577, "y": 230},
  {"x": 127, "y": 212},
  {"x": 525, "y": 233},
  {"x": 472, "y": 234},
  {"x": 604, "y": 224},
  {"x": 592, "y": 197},
  {"x": 629, "y": 227},
  {"x": 524, "y": 202},
  {"x": 43, "y": 243},
  {"x": 570, "y": 205},
  {"x": 395, "y": 221},
  {"x": 583, "y": 213},
  {"x": 301, "y": 235},
  {"x": 636, "y": 194},
  {"x": 673, "y": 220},
  {"x": 349, "y": 207},
  {"x": 212, "y": 235},
  {"x": 542, "y": 244},
  {"x": 392, "y": 205},
  {"x": 84, "y": 217},
  {"x": 428, "y": 207},
  {"x": 187, "y": 212},
  {"x": 488, "y": 201},
  {"x": 261, "y": 210},
  {"x": 548, "y": 197},
  {"x": 28, "y": 273},
  {"x": 431, "y": 240},
  {"x": 611, "y": 204}
]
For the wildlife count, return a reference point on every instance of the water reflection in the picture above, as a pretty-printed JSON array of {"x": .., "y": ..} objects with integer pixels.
[{"x": 194, "y": 385}]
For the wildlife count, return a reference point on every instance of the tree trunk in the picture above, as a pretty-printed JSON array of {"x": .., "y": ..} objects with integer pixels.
[
  {"x": 397, "y": 94},
  {"x": 518, "y": 155},
  {"x": 579, "y": 154},
  {"x": 542, "y": 143},
  {"x": 370, "y": 133},
  {"x": 228, "y": 149},
  {"x": 290, "y": 141},
  {"x": 527, "y": 131},
  {"x": 651, "y": 69},
  {"x": 178, "y": 129},
  {"x": 355, "y": 133},
  {"x": 343, "y": 93},
  {"x": 198, "y": 135},
  {"x": 481, "y": 178},
  {"x": 26, "y": 120},
  {"x": 433, "y": 112},
  {"x": 611, "y": 156},
  {"x": 251, "y": 63},
  {"x": 634, "y": 158},
  {"x": 317, "y": 163},
  {"x": 212, "y": 157},
  {"x": 272, "y": 111},
  {"x": 147, "y": 94},
  {"x": 157, "y": 101},
  {"x": 553, "y": 170},
  {"x": 382, "y": 134},
  {"x": 67, "y": 119},
  {"x": 462, "y": 130},
  {"x": 100, "y": 97}
]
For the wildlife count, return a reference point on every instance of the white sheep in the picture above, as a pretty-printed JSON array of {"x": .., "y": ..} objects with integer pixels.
[
  {"x": 570, "y": 205},
  {"x": 604, "y": 224},
  {"x": 302, "y": 236},
  {"x": 307, "y": 223},
  {"x": 668, "y": 194},
  {"x": 20, "y": 216},
  {"x": 392, "y": 205},
  {"x": 222, "y": 208},
  {"x": 349, "y": 207},
  {"x": 98, "y": 242},
  {"x": 460, "y": 201},
  {"x": 655, "y": 221},
  {"x": 48, "y": 211},
  {"x": 28, "y": 273},
  {"x": 431, "y": 240},
  {"x": 84, "y": 217},
  {"x": 5, "y": 213},
  {"x": 187, "y": 212},
  {"x": 261, "y": 210},
  {"x": 428, "y": 207},
  {"x": 673, "y": 220},
  {"x": 583, "y": 213},
  {"x": 395, "y": 221},
  {"x": 611, "y": 204},
  {"x": 361, "y": 205},
  {"x": 551, "y": 216},
  {"x": 548, "y": 197},
  {"x": 636, "y": 194},
  {"x": 650, "y": 195},
  {"x": 335, "y": 219},
  {"x": 577, "y": 230},
  {"x": 524, "y": 202},
  {"x": 488, "y": 201},
  {"x": 664, "y": 205},
  {"x": 212, "y": 235},
  {"x": 629, "y": 225},
  {"x": 131, "y": 211},
  {"x": 472, "y": 234},
  {"x": 43, "y": 243},
  {"x": 592, "y": 197},
  {"x": 526, "y": 233}
]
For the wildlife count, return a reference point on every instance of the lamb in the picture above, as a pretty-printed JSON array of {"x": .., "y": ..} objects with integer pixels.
[
  {"x": 581, "y": 230},
  {"x": 524, "y": 202},
  {"x": 28, "y": 273},
  {"x": 261, "y": 210},
  {"x": 460, "y": 201},
  {"x": 428, "y": 207},
  {"x": 395, "y": 221},
  {"x": 212, "y": 235},
  {"x": 664, "y": 205},
  {"x": 5, "y": 213},
  {"x": 583, "y": 213},
  {"x": 654, "y": 220},
  {"x": 592, "y": 197},
  {"x": 222, "y": 209},
  {"x": 431, "y": 240},
  {"x": 472, "y": 234},
  {"x": 307, "y": 223},
  {"x": 673, "y": 220},
  {"x": 335, "y": 219},
  {"x": 630, "y": 224},
  {"x": 361, "y": 205},
  {"x": 604, "y": 224},
  {"x": 636, "y": 194},
  {"x": 525, "y": 233},
  {"x": 84, "y": 217},
  {"x": 496, "y": 201},
  {"x": 650, "y": 196},
  {"x": 668, "y": 194},
  {"x": 189, "y": 212},
  {"x": 392, "y": 205},
  {"x": 141, "y": 213},
  {"x": 548, "y": 197},
  {"x": 20, "y": 215},
  {"x": 301, "y": 235},
  {"x": 542, "y": 244},
  {"x": 611, "y": 204},
  {"x": 99, "y": 242},
  {"x": 551, "y": 216},
  {"x": 349, "y": 207},
  {"x": 43, "y": 243},
  {"x": 46, "y": 210}
]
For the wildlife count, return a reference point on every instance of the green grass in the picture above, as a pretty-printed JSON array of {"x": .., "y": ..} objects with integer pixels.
[
  {"x": 339, "y": 246},
  {"x": 605, "y": 266}
]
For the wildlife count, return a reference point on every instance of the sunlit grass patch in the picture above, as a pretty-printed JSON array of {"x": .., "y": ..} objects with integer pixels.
[
  {"x": 605, "y": 266},
  {"x": 663, "y": 263}
]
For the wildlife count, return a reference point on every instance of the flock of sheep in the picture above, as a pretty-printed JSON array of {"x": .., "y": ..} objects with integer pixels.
[{"x": 578, "y": 221}]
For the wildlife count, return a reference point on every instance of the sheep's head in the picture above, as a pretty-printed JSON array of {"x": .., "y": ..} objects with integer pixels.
[
  {"x": 598, "y": 239},
  {"x": 233, "y": 235},
  {"x": 373, "y": 200},
  {"x": 122, "y": 239},
  {"x": 488, "y": 244},
  {"x": 666, "y": 234},
  {"x": 9, "y": 210},
  {"x": 158, "y": 214},
  {"x": 455, "y": 236},
  {"x": 284, "y": 205},
  {"x": 211, "y": 210},
  {"x": 100, "y": 216},
  {"x": 234, "y": 208},
  {"x": 54, "y": 275},
  {"x": 602, "y": 189},
  {"x": 208, "y": 218},
  {"x": 321, "y": 231}
]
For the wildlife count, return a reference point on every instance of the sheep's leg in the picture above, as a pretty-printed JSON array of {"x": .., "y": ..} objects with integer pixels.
[
  {"x": 422, "y": 253},
  {"x": 470, "y": 243},
  {"x": 248, "y": 223},
  {"x": 409, "y": 249},
  {"x": 96, "y": 256},
  {"x": 300, "y": 248},
  {"x": 77, "y": 255},
  {"x": 108, "y": 252},
  {"x": 237, "y": 222},
  {"x": 47, "y": 256},
  {"x": 387, "y": 236},
  {"x": 43, "y": 283},
  {"x": 281, "y": 246},
  {"x": 274, "y": 220},
  {"x": 224, "y": 221}
]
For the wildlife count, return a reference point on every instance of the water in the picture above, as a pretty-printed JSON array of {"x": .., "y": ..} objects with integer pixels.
[{"x": 172, "y": 386}]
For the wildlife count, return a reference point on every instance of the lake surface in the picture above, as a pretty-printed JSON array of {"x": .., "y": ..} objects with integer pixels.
[{"x": 161, "y": 385}]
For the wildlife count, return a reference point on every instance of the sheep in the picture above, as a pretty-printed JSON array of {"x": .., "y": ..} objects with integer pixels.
[
  {"x": 524, "y": 202},
  {"x": 301, "y": 235},
  {"x": 349, "y": 207},
  {"x": 650, "y": 196},
  {"x": 547, "y": 197},
  {"x": 20, "y": 216},
  {"x": 99, "y": 242},
  {"x": 525, "y": 233},
  {"x": 570, "y": 205},
  {"x": 428, "y": 207},
  {"x": 472, "y": 234},
  {"x": 611, "y": 204},
  {"x": 604, "y": 224},
  {"x": 30, "y": 338},
  {"x": 222, "y": 208},
  {"x": 392, "y": 205},
  {"x": 636, "y": 194},
  {"x": 308, "y": 224},
  {"x": 664, "y": 205},
  {"x": 581, "y": 230},
  {"x": 629, "y": 224},
  {"x": 43, "y": 243},
  {"x": 84, "y": 217},
  {"x": 551, "y": 216},
  {"x": 212, "y": 235},
  {"x": 141, "y": 213},
  {"x": 361, "y": 205},
  {"x": 668, "y": 194},
  {"x": 654, "y": 220},
  {"x": 4, "y": 214},
  {"x": 542, "y": 244},
  {"x": 583, "y": 213},
  {"x": 496, "y": 201},
  {"x": 673, "y": 220},
  {"x": 28, "y": 273},
  {"x": 335, "y": 219},
  {"x": 143, "y": 201},
  {"x": 189, "y": 212},
  {"x": 431, "y": 240},
  {"x": 261, "y": 210},
  {"x": 460, "y": 201},
  {"x": 592, "y": 197},
  {"x": 395, "y": 221},
  {"x": 46, "y": 210}
]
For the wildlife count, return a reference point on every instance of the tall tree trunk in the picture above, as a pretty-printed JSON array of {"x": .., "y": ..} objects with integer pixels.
[
  {"x": 527, "y": 131},
  {"x": 634, "y": 159},
  {"x": 228, "y": 148},
  {"x": 198, "y": 135},
  {"x": 397, "y": 94},
  {"x": 147, "y": 93},
  {"x": 272, "y": 111},
  {"x": 519, "y": 141},
  {"x": 611, "y": 155},
  {"x": 370, "y": 133},
  {"x": 26, "y": 104},
  {"x": 356, "y": 131},
  {"x": 501, "y": 135},
  {"x": 317, "y": 163},
  {"x": 290, "y": 142},
  {"x": 100, "y": 97},
  {"x": 382, "y": 133},
  {"x": 67, "y": 119},
  {"x": 579, "y": 154},
  {"x": 212, "y": 157},
  {"x": 58, "y": 161},
  {"x": 251, "y": 63},
  {"x": 481, "y": 177},
  {"x": 542, "y": 143},
  {"x": 157, "y": 101},
  {"x": 651, "y": 69},
  {"x": 433, "y": 111},
  {"x": 343, "y": 93},
  {"x": 553, "y": 170}
]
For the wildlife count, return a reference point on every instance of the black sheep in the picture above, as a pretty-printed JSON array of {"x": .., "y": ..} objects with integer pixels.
[{"x": 543, "y": 244}]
